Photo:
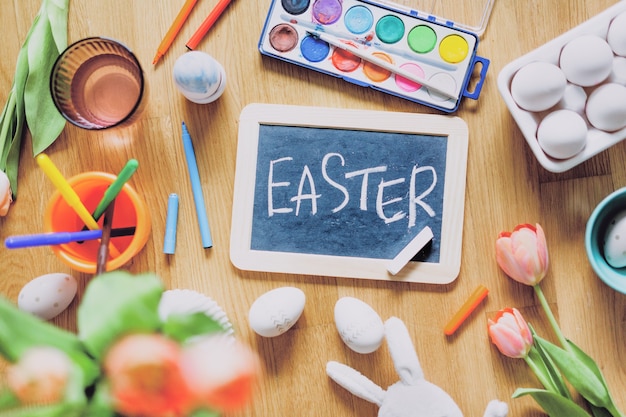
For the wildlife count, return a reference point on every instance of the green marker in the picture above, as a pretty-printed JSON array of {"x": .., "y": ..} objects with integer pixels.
[{"x": 116, "y": 186}]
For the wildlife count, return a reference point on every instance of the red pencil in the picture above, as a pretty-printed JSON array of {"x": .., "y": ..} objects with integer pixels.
[
  {"x": 174, "y": 29},
  {"x": 206, "y": 25}
]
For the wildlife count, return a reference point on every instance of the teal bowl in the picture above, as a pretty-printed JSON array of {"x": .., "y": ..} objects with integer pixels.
[{"x": 595, "y": 231}]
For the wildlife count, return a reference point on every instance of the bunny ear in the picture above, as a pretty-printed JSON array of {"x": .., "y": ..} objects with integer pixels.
[
  {"x": 355, "y": 382},
  {"x": 403, "y": 352}
]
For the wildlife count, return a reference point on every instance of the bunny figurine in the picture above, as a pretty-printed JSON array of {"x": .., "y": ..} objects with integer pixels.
[{"x": 412, "y": 396}]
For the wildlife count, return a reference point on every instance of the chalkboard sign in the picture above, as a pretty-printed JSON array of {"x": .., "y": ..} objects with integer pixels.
[{"x": 339, "y": 192}]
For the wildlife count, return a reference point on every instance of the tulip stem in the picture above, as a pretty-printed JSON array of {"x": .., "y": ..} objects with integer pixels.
[{"x": 551, "y": 318}]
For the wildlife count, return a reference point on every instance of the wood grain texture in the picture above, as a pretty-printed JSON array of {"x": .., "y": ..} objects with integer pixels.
[{"x": 505, "y": 187}]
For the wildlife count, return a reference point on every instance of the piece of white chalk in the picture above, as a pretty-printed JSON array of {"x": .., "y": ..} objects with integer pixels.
[{"x": 410, "y": 250}]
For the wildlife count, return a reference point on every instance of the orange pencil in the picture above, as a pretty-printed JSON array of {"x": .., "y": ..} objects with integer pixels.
[
  {"x": 174, "y": 29},
  {"x": 466, "y": 309},
  {"x": 206, "y": 25}
]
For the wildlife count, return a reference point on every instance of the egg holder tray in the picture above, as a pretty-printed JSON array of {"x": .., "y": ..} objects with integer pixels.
[{"x": 528, "y": 122}]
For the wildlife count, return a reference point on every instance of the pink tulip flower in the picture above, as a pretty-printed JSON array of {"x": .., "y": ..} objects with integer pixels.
[
  {"x": 221, "y": 372},
  {"x": 40, "y": 376},
  {"x": 145, "y": 377},
  {"x": 510, "y": 333},
  {"x": 523, "y": 254},
  {"x": 6, "y": 196}
]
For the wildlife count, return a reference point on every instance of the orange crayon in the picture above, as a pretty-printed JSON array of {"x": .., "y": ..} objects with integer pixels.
[{"x": 466, "y": 309}]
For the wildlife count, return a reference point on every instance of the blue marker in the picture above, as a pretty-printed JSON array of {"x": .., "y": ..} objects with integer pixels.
[
  {"x": 169, "y": 243},
  {"x": 59, "y": 238},
  {"x": 196, "y": 188}
]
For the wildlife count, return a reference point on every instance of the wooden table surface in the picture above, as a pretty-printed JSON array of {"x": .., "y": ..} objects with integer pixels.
[{"x": 505, "y": 186}]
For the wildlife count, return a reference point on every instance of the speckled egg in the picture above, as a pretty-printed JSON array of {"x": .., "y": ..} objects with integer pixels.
[
  {"x": 586, "y": 60},
  {"x": 615, "y": 241},
  {"x": 538, "y": 86},
  {"x": 359, "y": 326},
  {"x": 48, "y": 295},
  {"x": 199, "y": 77}
]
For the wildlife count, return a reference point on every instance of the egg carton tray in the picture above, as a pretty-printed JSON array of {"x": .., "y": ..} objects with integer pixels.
[{"x": 528, "y": 122}]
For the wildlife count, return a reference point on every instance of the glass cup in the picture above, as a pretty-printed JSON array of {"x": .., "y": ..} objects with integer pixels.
[
  {"x": 130, "y": 212},
  {"x": 98, "y": 83}
]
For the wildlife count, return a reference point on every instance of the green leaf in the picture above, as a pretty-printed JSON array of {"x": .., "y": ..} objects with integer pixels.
[
  {"x": 117, "y": 303},
  {"x": 13, "y": 121},
  {"x": 549, "y": 367},
  {"x": 181, "y": 327},
  {"x": 57, "y": 11},
  {"x": 20, "y": 331},
  {"x": 553, "y": 404},
  {"x": 578, "y": 373},
  {"x": 43, "y": 119}
]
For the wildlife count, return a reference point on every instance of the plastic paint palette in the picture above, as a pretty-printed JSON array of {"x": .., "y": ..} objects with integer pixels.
[
  {"x": 312, "y": 34},
  {"x": 597, "y": 140}
]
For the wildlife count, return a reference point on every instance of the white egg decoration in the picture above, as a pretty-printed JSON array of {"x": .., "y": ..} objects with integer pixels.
[
  {"x": 186, "y": 301},
  {"x": 359, "y": 326},
  {"x": 199, "y": 77},
  {"x": 615, "y": 241},
  {"x": 586, "y": 60},
  {"x": 47, "y": 295},
  {"x": 276, "y": 311},
  {"x": 537, "y": 86},
  {"x": 562, "y": 134},
  {"x": 606, "y": 107},
  {"x": 616, "y": 36}
]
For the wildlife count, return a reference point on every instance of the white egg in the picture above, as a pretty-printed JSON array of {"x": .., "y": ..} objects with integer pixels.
[
  {"x": 562, "y": 134},
  {"x": 615, "y": 241},
  {"x": 586, "y": 60},
  {"x": 606, "y": 107},
  {"x": 48, "y": 295},
  {"x": 276, "y": 311},
  {"x": 359, "y": 326},
  {"x": 618, "y": 73},
  {"x": 574, "y": 98},
  {"x": 616, "y": 35},
  {"x": 199, "y": 77},
  {"x": 538, "y": 86}
]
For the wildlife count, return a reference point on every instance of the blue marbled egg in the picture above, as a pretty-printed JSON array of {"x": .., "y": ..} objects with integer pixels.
[{"x": 199, "y": 77}]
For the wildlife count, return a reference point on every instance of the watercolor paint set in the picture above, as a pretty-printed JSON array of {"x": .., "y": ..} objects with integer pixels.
[{"x": 402, "y": 51}]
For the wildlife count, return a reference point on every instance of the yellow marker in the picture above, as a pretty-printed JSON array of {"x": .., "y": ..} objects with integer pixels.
[{"x": 68, "y": 194}]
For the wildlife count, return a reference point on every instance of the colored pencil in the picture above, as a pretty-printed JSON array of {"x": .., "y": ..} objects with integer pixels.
[
  {"x": 103, "y": 250},
  {"x": 195, "y": 39},
  {"x": 336, "y": 42},
  {"x": 169, "y": 37},
  {"x": 169, "y": 242},
  {"x": 60, "y": 238},
  {"x": 196, "y": 188},
  {"x": 466, "y": 309}
]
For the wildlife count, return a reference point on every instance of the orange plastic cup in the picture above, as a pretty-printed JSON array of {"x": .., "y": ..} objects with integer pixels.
[{"x": 130, "y": 211}]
